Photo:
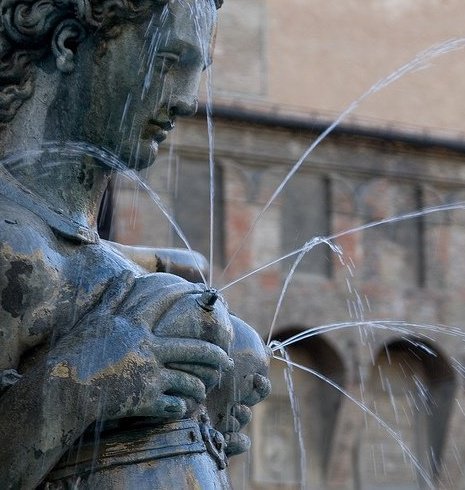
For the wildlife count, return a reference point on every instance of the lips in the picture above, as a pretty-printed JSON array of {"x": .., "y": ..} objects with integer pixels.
[{"x": 157, "y": 131}]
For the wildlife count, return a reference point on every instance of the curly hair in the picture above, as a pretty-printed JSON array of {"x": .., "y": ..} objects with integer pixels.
[{"x": 30, "y": 29}]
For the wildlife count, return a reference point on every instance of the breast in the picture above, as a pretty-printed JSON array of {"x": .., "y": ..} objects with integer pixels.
[{"x": 74, "y": 286}]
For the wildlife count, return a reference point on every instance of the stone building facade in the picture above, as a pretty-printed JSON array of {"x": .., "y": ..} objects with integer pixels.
[
  {"x": 405, "y": 277},
  {"x": 383, "y": 405}
]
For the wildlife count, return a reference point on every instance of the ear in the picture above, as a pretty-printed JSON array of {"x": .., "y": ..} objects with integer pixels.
[{"x": 66, "y": 38}]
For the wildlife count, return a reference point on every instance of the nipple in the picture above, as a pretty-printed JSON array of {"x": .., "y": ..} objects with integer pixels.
[{"x": 208, "y": 299}]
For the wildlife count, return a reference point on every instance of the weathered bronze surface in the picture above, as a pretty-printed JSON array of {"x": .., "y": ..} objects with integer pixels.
[{"x": 110, "y": 365}]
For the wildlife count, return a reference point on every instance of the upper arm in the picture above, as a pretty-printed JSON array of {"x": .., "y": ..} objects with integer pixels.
[{"x": 23, "y": 261}]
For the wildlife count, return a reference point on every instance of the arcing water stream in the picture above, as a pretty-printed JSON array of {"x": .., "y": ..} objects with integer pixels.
[{"x": 416, "y": 63}]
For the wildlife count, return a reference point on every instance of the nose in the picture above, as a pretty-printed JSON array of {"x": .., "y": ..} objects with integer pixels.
[{"x": 184, "y": 107}]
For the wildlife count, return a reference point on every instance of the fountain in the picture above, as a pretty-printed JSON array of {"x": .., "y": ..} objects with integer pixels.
[
  {"x": 116, "y": 372},
  {"x": 115, "y": 406}
]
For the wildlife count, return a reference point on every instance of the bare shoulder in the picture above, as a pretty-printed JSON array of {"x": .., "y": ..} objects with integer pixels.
[
  {"x": 22, "y": 233},
  {"x": 29, "y": 252}
]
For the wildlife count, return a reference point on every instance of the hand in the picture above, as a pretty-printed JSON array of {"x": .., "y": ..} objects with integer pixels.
[
  {"x": 230, "y": 402},
  {"x": 147, "y": 349}
]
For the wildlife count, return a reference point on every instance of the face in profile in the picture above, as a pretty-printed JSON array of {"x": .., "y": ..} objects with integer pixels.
[
  {"x": 115, "y": 75},
  {"x": 151, "y": 74}
]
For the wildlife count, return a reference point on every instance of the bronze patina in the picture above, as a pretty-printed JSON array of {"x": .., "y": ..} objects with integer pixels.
[{"x": 110, "y": 365}]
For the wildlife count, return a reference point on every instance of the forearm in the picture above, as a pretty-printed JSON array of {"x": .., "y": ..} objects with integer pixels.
[
  {"x": 40, "y": 417},
  {"x": 180, "y": 262}
]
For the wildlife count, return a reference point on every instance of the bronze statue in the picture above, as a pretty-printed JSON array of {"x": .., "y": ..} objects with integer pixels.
[{"x": 110, "y": 369}]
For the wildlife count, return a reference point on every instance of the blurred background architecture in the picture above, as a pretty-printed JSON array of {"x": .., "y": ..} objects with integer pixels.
[{"x": 283, "y": 72}]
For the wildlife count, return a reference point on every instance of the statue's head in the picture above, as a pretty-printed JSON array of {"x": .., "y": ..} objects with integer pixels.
[{"x": 110, "y": 72}]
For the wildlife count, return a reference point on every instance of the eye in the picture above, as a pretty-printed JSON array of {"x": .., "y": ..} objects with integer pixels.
[{"x": 166, "y": 60}]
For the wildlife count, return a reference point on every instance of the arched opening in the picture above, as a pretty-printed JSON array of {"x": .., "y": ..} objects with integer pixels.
[
  {"x": 411, "y": 388},
  {"x": 277, "y": 451}
]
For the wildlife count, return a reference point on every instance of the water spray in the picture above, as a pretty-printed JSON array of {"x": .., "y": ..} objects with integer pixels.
[{"x": 208, "y": 299}]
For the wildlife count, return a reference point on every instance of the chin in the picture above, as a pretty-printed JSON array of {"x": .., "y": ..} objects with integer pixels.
[{"x": 146, "y": 155}]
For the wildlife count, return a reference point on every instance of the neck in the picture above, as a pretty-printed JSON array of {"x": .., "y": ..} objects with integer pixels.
[
  {"x": 68, "y": 182},
  {"x": 72, "y": 186}
]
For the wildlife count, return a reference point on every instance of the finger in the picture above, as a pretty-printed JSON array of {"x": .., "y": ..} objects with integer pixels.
[
  {"x": 261, "y": 388},
  {"x": 210, "y": 377},
  {"x": 229, "y": 423},
  {"x": 170, "y": 407},
  {"x": 242, "y": 414},
  {"x": 181, "y": 384},
  {"x": 191, "y": 351},
  {"x": 236, "y": 443},
  {"x": 163, "y": 407}
]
